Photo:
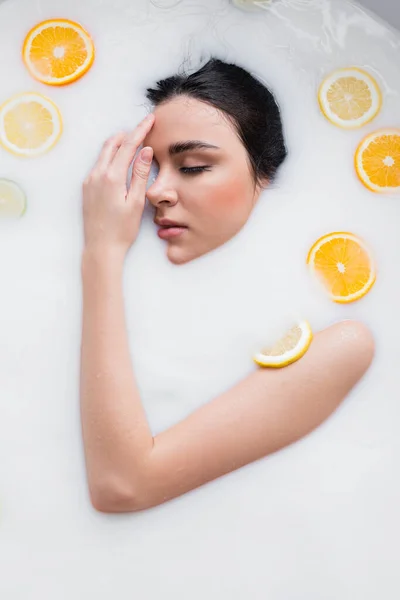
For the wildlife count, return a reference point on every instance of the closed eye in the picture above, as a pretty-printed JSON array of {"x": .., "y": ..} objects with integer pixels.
[{"x": 194, "y": 170}]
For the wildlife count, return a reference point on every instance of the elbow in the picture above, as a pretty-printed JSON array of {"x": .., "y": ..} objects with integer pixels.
[
  {"x": 111, "y": 496},
  {"x": 360, "y": 346}
]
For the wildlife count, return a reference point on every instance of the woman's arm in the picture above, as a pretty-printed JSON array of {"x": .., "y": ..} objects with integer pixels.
[
  {"x": 128, "y": 469},
  {"x": 116, "y": 434}
]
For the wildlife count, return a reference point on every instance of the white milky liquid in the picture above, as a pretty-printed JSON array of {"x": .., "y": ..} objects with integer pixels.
[{"x": 319, "y": 520}]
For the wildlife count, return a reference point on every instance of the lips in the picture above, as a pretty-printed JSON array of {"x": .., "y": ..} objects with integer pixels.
[
  {"x": 170, "y": 231},
  {"x": 168, "y": 223}
]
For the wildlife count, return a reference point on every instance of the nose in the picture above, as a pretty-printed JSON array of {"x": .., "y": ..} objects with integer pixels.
[{"x": 162, "y": 191}]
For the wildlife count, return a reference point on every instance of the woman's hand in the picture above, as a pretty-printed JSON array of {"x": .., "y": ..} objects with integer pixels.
[{"x": 112, "y": 212}]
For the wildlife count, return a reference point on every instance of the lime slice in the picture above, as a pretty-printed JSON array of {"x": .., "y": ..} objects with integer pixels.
[{"x": 12, "y": 199}]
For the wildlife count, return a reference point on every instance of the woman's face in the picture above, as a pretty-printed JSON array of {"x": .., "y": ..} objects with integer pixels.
[{"x": 204, "y": 181}]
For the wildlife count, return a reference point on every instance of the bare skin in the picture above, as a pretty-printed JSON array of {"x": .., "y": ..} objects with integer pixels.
[
  {"x": 127, "y": 468},
  {"x": 213, "y": 203}
]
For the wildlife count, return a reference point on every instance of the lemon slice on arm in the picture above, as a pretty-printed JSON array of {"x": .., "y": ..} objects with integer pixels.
[
  {"x": 290, "y": 348},
  {"x": 12, "y": 199}
]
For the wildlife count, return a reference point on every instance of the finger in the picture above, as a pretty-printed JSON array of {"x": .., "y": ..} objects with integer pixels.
[
  {"x": 140, "y": 174},
  {"x": 130, "y": 144},
  {"x": 109, "y": 150}
]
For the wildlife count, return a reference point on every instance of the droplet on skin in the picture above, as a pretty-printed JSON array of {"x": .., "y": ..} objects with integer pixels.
[{"x": 349, "y": 332}]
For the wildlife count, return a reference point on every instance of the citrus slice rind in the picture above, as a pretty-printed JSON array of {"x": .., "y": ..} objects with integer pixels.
[
  {"x": 12, "y": 199},
  {"x": 342, "y": 262},
  {"x": 58, "y": 51},
  {"x": 290, "y": 348},
  {"x": 350, "y": 98},
  {"x": 377, "y": 161},
  {"x": 30, "y": 124}
]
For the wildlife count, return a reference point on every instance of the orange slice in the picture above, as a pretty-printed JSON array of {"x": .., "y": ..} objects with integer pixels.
[
  {"x": 377, "y": 161},
  {"x": 30, "y": 124},
  {"x": 291, "y": 347},
  {"x": 343, "y": 263},
  {"x": 58, "y": 51},
  {"x": 350, "y": 98}
]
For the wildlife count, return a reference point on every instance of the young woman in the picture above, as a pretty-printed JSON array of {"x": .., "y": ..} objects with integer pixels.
[{"x": 216, "y": 136}]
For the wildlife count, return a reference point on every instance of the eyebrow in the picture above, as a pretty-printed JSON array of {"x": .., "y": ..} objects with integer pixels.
[{"x": 180, "y": 147}]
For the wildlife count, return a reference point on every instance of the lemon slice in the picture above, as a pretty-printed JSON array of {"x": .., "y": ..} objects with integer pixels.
[
  {"x": 58, "y": 51},
  {"x": 350, "y": 98},
  {"x": 343, "y": 263},
  {"x": 292, "y": 346},
  {"x": 30, "y": 124},
  {"x": 12, "y": 199},
  {"x": 377, "y": 161}
]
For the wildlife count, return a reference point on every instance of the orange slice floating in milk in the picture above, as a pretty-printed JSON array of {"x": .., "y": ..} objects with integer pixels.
[
  {"x": 58, "y": 51},
  {"x": 377, "y": 161},
  {"x": 343, "y": 263}
]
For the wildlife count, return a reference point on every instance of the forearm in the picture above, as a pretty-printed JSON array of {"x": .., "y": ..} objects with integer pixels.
[{"x": 117, "y": 437}]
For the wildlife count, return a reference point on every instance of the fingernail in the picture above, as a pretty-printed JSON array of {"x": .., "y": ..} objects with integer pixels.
[
  {"x": 149, "y": 117},
  {"x": 146, "y": 155}
]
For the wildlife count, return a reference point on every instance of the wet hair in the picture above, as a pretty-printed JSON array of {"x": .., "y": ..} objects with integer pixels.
[{"x": 248, "y": 103}]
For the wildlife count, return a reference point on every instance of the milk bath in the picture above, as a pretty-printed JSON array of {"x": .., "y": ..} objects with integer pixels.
[{"x": 319, "y": 519}]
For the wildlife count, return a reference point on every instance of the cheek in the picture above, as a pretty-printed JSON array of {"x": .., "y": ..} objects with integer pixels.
[{"x": 229, "y": 195}]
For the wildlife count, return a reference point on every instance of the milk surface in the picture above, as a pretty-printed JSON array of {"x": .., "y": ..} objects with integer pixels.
[{"x": 317, "y": 520}]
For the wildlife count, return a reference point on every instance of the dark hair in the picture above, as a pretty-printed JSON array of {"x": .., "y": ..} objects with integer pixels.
[{"x": 249, "y": 105}]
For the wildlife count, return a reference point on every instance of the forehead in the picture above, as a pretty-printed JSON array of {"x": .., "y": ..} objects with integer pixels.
[{"x": 184, "y": 118}]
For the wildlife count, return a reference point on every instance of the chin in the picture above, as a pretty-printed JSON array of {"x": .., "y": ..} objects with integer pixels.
[{"x": 178, "y": 256}]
